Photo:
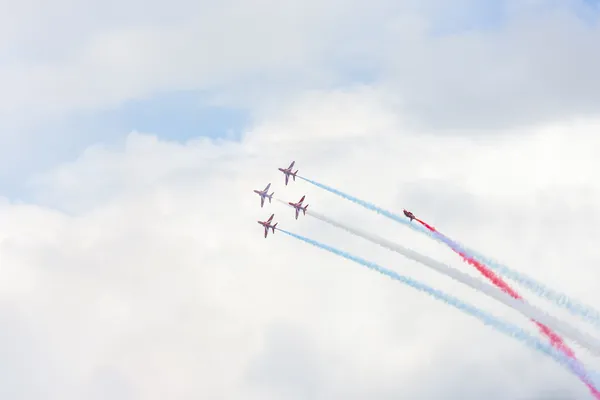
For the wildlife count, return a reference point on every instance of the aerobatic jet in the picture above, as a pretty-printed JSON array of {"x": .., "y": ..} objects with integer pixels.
[
  {"x": 288, "y": 172},
  {"x": 263, "y": 194},
  {"x": 409, "y": 215},
  {"x": 298, "y": 206},
  {"x": 267, "y": 224}
]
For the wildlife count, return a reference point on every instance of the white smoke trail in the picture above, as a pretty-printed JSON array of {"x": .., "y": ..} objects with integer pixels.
[
  {"x": 572, "y": 305},
  {"x": 521, "y": 306},
  {"x": 488, "y": 319}
]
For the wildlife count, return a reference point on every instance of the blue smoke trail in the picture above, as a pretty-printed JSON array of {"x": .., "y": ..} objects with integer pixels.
[
  {"x": 560, "y": 299},
  {"x": 573, "y": 306},
  {"x": 511, "y": 330},
  {"x": 370, "y": 206}
]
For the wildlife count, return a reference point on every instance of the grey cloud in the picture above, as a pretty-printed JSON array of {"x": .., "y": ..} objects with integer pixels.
[
  {"x": 537, "y": 65},
  {"x": 535, "y": 68}
]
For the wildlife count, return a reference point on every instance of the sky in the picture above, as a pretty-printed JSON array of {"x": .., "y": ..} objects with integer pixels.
[{"x": 131, "y": 263}]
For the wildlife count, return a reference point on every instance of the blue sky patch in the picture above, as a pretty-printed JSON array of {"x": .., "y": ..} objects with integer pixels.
[
  {"x": 588, "y": 11},
  {"x": 450, "y": 19},
  {"x": 181, "y": 116},
  {"x": 177, "y": 116}
]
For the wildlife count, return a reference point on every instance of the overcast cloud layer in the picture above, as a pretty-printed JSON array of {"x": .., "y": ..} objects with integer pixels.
[
  {"x": 517, "y": 59},
  {"x": 137, "y": 270},
  {"x": 463, "y": 66}
]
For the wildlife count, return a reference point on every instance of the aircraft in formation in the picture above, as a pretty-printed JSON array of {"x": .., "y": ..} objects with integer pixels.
[
  {"x": 264, "y": 194},
  {"x": 298, "y": 206},
  {"x": 288, "y": 172},
  {"x": 267, "y": 224}
]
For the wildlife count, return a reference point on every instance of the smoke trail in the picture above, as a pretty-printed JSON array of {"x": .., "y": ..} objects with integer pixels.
[
  {"x": 370, "y": 206},
  {"x": 575, "y": 307},
  {"x": 560, "y": 299},
  {"x": 472, "y": 257},
  {"x": 496, "y": 280},
  {"x": 487, "y": 319},
  {"x": 521, "y": 306}
]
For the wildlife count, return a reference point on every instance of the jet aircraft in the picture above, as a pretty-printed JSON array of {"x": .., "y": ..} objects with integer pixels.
[
  {"x": 288, "y": 172},
  {"x": 264, "y": 194},
  {"x": 267, "y": 224},
  {"x": 298, "y": 206}
]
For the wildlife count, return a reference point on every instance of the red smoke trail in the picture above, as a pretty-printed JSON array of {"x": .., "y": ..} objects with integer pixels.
[{"x": 555, "y": 340}]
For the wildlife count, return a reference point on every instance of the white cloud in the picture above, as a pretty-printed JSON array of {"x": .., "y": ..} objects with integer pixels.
[{"x": 154, "y": 280}]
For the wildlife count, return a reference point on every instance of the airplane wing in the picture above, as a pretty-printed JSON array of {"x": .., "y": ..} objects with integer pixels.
[
  {"x": 262, "y": 201},
  {"x": 267, "y": 188}
]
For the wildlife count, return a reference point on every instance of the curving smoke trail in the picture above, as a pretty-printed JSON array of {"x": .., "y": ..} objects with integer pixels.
[
  {"x": 560, "y": 299},
  {"x": 575, "y": 307},
  {"x": 432, "y": 232},
  {"x": 498, "y": 282},
  {"x": 523, "y": 307},
  {"x": 487, "y": 319}
]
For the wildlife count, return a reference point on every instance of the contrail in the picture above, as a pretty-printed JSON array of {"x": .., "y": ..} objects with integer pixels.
[
  {"x": 575, "y": 307},
  {"x": 400, "y": 219},
  {"x": 524, "y": 308},
  {"x": 555, "y": 340},
  {"x": 487, "y": 319},
  {"x": 473, "y": 258},
  {"x": 498, "y": 282}
]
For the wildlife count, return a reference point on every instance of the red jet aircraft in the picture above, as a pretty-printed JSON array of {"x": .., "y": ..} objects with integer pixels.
[
  {"x": 267, "y": 225},
  {"x": 263, "y": 194},
  {"x": 288, "y": 172},
  {"x": 298, "y": 206},
  {"x": 409, "y": 215}
]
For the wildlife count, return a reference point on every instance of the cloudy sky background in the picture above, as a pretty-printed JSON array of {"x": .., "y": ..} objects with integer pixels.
[{"x": 132, "y": 134}]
